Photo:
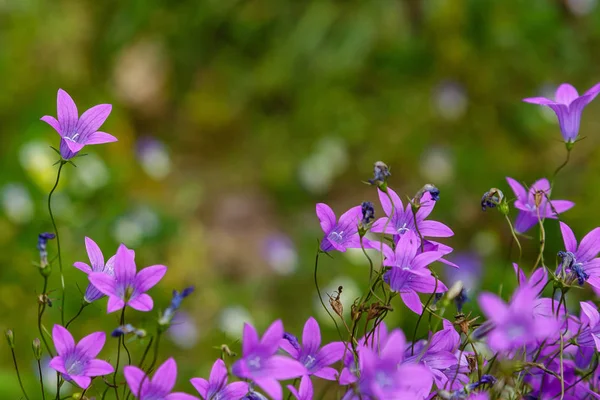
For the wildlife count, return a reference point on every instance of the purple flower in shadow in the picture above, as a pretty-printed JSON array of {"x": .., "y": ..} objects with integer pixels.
[
  {"x": 128, "y": 287},
  {"x": 568, "y": 106},
  {"x": 77, "y": 132},
  {"x": 260, "y": 364},
  {"x": 315, "y": 358},
  {"x": 77, "y": 362},
  {"x": 216, "y": 387},
  {"x": 158, "y": 387},
  {"x": 535, "y": 201}
]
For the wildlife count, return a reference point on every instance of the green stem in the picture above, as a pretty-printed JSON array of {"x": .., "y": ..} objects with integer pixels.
[
  {"x": 62, "y": 277},
  {"x": 514, "y": 235},
  {"x": 41, "y": 310},
  {"x": 14, "y": 357},
  {"x": 561, "y": 167},
  {"x": 118, "y": 355},
  {"x": 412, "y": 347},
  {"x": 293, "y": 384},
  {"x": 146, "y": 352},
  {"x": 41, "y": 379},
  {"x": 321, "y": 298},
  {"x": 83, "y": 305}
]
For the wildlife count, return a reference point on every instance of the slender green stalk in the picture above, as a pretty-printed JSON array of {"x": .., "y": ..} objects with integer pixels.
[
  {"x": 514, "y": 235},
  {"x": 118, "y": 356},
  {"x": 148, "y": 347},
  {"x": 321, "y": 298},
  {"x": 426, "y": 308},
  {"x": 83, "y": 305},
  {"x": 540, "y": 257},
  {"x": 561, "y": 166},
  {"x": 41, "y": 309},
  {"x": 39, "y": 364},
  {"x": 293, "y": 384},
  {"x": 14, "y": 357},
  {"x": 62, "y": 277}
]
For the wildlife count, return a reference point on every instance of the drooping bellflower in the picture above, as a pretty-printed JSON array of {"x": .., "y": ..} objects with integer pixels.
[
  {"x": 77, "y": 132},
  {"x": 158, "y": 387},
  {"x": 216, "y": 387},
  {"x": 77, "y": 362},
  {"x": 128, "y": 287}
]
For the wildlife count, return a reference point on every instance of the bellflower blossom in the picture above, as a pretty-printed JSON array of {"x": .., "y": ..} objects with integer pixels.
[
  {"x": 216, "y": 387},
  {"x": 535, "y": 201},
  {"x": 350, "y": 372},
  {"x": 77, "y": 362},
  {"x": 584, "y": 256},
  {"x": 41, "y": 246},
  {"x": 568, "y": 106},
  {"x": 127, "y": 288},
  {"x": 158, "y": 387},
  {"x": 260, "y": 364},
  {"x": 343, "y": 234},
  {"x": 77, "y": 132},
  {"x": 403, "y": 219},
  {"x": 305, "y": 391},
  {"x": 315, "y": 358},
  {"x": 97, "y": 260}
]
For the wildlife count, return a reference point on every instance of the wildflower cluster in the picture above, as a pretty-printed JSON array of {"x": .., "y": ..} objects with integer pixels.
[{"x": 529, "y": 345}]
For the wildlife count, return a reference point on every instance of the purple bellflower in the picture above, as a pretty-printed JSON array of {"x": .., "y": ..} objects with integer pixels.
[
  {"x": 403, "y": 220},
  {"x": 305, "y": 391},
  {"x": 77, "y": 132},
  {"x": 97, "y": 260},
  {"x": 535, "y": 201},
  {"x": 583, "y": 261},
  {"x": 260, "y": 363},
  {"x": 408, "y": 274},
  {"x": 350, "y": 372},
  {"x": 216, "y": 387},
  {"x": 128, "y": 288},
  {"x": 315, "y": 358},
  {"x": 77, "y": 362},
  {"x": 568, "y": 106},
  {"x": 42, "y": 247},
  {"x": 343, "y": 234},
  {"x": 158, "y": 387}
]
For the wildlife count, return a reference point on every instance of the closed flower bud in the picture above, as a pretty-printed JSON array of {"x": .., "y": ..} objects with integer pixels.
[
  {"x": 37, "y": 349},
  {"x": 492, "y": 198},
  {"x": 10, "y": 337}
]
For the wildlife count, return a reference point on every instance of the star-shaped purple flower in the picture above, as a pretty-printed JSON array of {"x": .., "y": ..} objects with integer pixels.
[
  {"x": 403, "y": 219},
  {"x": 77, "y": 132},
  {"x": 535, "y": 201},
  {"x": 305, "y": 391},
  {"x": 216, "y": 387},
  {"x": 315, "y": 358},
  {"x": 77, "y": 362},
  {"x": 585, "y": 261},
  {"x": 128, "y": 288},
  {"x": 158, "y": 387},
  {"x": 260, "y": 364},
  {"x": 343, "y": 234},
  {"x": 97, "y": 261},
  {"x": 568, "y": 106}
]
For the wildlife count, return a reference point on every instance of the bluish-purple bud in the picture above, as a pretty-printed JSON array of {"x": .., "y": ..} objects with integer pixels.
[
  {"x": 292, "y": 339},
  {"x": 368, "y": 212}
]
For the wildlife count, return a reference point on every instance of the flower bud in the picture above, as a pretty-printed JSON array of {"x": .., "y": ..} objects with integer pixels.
[
  {"x": 37, "y": 349},
  {"x": 10, "y": 337}
]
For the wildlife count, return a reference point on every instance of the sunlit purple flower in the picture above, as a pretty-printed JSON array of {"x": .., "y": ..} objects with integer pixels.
[
  {"x": 158, "y": 387},
  {"x": 216, "y": 387},
  {"x": 535, "y": 201},
  {"x": 260, "y": 364},
  {"x": 568, "y": 106},
  {"x": 315, "y": 358},
  {"x": 77, "y": 362},
  {"x": 128, "y": 288},
  {"x": 585, "y": 263},
  {"x": 402, "y": 220},
  {"x": 97, "y": 260},
  {"x": 305, "y": 391},
  {"x": 77, "y": 132},
  {"x": 340, "y": 235}
]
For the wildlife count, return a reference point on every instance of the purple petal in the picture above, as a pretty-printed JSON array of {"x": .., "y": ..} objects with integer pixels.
[
  {"x": 294, "y": 392},
  {"x": 387, "y": 205},
  {"x": 271, "y": 387},
  {"x": 440, "y": 360},
  {"x": 114, "y": 303},
  {"x": 281, "y": 367},
  {"x": 560, "y": 206},
  {"x": 383, "y": 223},
  {"x": 73, "y": 145},
  {"x": 306, "y": 388},
  {"x": 103, "y": 282},
  {"x": 327, "y": 373},
  {"x": 525, "y": 221},
  {"x": 165, "y": 376},
  {"x": 82, "y": 381},
  {"x": 98, "y": 368},
  {"x": 568, "y": 120},
  {"x": 235, "y": 390},
  {"x": 180, "y": 396},
  {"x": 95, "y": 254},
  {"x": 289, "y": 348},
  {"x": 311, "y": 336},
  {"x": 541, "y": 185},
  {"x": 272, "y": 336},
  {"x": 52, "y": 122},
  {"x": 539, "y": 100},
  {"x": 492, "y": 306},
  {"x": 148, "y": 277},
  {"x": 201, "y": 385},
  {"x": 124, "y": 266},
  {"x": 326, "y": 217},
  {"x": 568, "y": 238},
  {"x": 66, "y": 111},
  {"x": 593, "y": 91},
  {"x": 427, "y": 284},
  {"x": 589, "y": 246},
  {"x": 590, "y": 313},
  {"x": 134, "y": 376},
  {"x": 412, "y": 301},
  {"x": 63, "y": 340},
  {"x": 82, "y": 267},
  {"x": 406, "y": 249},
  {"x": 249, "y": 339},
  {"x": 426, "y": 207},
  {"x": 565, "y": 94},
  {"x": 518, "y": 189},
  {"x": 92, "y": 344},
  {"x": 424, "y": 259},
  {"x": 92, "y": 119},
  {"x": 331, "y": 353},
  {"x": 141, "y": 302},
  {"x": 434, "y": 229},
  {"x": 100, "y": 138},
  {"x": 218, "y": 374},
  {"x": 58, "y": 363}
]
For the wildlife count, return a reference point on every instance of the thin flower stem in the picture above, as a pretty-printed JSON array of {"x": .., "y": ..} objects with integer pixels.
[
  {"x": 479, "y": 360},
  {"x": 562, "y": 369},
  {"x": 293, "y": 384},
  {"x": 540, "y": 257},
  {"x": 146, "y": 352},
  {"x": 125, "y": 347},
  {"x": 83, "y": 305},
  {"x": 41, "y": 309},
  {"x": 362, "y": 246},
  {"x": 118, "y": 355},
  {"x": 154, "y": 358},
  {"x": 62, "y": 277},
  {"x": 59, "y": 382},
  {"x": 564, "y": 164},
  {"x": 14, "y": 357},
  {"x": 426, "y": 308},
  {"x": 319, "y": 293},
  {"x": 514, "y": 235},
  {"x": 39, "y": 364}
]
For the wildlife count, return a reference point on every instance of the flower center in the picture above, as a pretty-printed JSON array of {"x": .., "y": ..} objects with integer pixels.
[
  {"x": 74, "y": 364},
  {"x": 383, "y": 380},
  {"x": 403, "y": 229},
  {"x": 310, "y": 360},
  {"x": 336, "y": 237},
  {"x": 72, "y": 138},
  {"x": 128, "y": 293},
  {"x": 254, "y": 363}
]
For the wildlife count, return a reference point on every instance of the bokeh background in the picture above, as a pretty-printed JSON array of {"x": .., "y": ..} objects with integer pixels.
[{"x": 235, "y": 117}]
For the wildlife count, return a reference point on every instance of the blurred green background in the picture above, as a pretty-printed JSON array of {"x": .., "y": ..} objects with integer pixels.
[{"x": 235, "y": 117}]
